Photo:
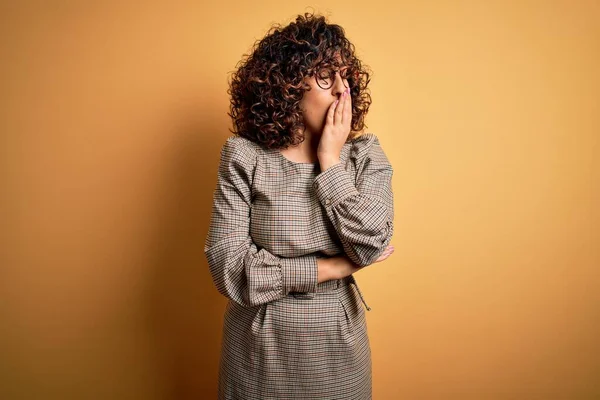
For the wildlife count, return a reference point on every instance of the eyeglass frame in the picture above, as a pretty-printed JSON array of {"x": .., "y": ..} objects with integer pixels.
[{"x": 317, "y": 74}]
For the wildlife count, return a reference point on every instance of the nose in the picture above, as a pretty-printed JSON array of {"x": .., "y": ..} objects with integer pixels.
[{"x": 339, "y": 86}]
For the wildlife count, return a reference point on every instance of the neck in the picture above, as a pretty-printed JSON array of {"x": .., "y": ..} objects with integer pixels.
[
  {"x": 305, "y": 151},
  {"x": 310, "y": 144}
]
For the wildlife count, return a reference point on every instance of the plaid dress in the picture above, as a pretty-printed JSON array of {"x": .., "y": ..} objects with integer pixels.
[{"x": 285, "y": 336}]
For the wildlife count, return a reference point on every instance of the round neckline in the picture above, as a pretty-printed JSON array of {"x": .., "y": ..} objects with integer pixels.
[{"x": 285, "y": 159}]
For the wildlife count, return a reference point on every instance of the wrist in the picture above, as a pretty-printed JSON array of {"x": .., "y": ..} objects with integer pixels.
[
  {"x": 327, "y": 162},
  {"x": 323, "y": 269}
]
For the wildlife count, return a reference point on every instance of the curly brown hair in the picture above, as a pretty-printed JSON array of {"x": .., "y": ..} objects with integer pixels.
[{"x": 267, "y": 87}]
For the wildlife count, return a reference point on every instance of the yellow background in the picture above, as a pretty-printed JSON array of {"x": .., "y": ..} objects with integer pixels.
[{"x": 112, "y": 117}]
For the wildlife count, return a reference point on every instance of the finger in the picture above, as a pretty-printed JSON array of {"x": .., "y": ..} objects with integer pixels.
[
  {"x": 339, "y": 110},
  {"x": 347, "y": 118},
  {"x": 331, "y": 111},
  {"x": 386, "y": 253}
]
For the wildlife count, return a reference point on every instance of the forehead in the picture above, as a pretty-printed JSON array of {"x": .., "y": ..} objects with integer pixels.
[
  {"x": 337, "y": 60},
  {"x": 336, "y": 67}
]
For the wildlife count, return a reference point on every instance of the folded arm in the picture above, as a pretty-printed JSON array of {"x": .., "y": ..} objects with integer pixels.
[
  {"x": 361, "y": 212},
  {"x": 240, "y": 270}
]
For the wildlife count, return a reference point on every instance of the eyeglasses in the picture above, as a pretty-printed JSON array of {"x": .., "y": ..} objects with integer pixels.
[{"x": 326, "y": 77}]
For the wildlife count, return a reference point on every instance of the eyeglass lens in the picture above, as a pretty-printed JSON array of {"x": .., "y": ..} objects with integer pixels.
[{"x": 326, "y": 77}]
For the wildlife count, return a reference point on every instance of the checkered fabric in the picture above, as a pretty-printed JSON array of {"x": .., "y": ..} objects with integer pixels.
[{"x": 285, "y": 336}]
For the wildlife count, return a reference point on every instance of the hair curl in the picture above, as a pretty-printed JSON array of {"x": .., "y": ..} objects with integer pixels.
[{"x": 267, "y": 87}]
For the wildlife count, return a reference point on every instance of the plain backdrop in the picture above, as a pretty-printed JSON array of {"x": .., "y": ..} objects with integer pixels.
[{"x": 112, "y": 116}]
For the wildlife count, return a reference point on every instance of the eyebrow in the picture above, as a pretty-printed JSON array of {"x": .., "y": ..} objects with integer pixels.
[{"x": 339, "y": 69}]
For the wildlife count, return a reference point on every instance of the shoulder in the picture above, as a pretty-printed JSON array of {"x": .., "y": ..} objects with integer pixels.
[
  {"x": 238, "y": 159},
  {"x": 365, "y": 141},
  {"x": 238, "y": 143},
  {"x": 368, "y": 147},
  {"x": 238, "y": 149}
]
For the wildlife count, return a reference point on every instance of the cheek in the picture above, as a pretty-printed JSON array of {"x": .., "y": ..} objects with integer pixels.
[{"x": 316, "y": 105}]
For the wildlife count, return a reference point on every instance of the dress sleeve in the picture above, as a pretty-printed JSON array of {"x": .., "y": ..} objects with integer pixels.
[
  {"x": 361, "y": 211},
  {"x": 240, "y": 270}
]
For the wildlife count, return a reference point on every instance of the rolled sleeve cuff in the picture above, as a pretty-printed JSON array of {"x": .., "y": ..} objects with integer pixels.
[
  {"x": 299, "y": 274},
  {"x": 333, "y": 185}
]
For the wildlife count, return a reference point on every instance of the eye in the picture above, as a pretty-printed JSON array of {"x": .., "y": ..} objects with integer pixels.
[{"x": 324, "y": 75}]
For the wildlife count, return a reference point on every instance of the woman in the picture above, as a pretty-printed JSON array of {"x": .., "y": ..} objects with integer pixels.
[{"x": 301, "y": 203}]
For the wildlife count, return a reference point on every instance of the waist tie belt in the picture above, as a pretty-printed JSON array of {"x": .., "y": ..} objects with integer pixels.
[
  {"x": 352, "y": 280},
  {"x": 330, "y": 285}
]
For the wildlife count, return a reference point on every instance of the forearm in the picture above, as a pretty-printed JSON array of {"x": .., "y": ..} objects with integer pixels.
[
  {"x": 336, "y": 267},
  {"x": 361, "y": 212},
  {"x": 323, "y": 269},
  {"x": 252, "y": 276}
]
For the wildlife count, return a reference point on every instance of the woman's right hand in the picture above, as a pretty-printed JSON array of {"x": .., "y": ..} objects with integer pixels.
[{"x": 339, "y": 267}]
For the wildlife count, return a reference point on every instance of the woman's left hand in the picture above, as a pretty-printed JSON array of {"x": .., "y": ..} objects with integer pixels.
[
  {"x": 336, "y": 130},
  {"x": 342, "y": 266}
]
